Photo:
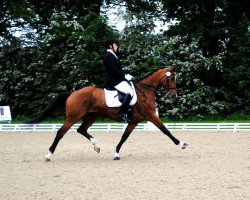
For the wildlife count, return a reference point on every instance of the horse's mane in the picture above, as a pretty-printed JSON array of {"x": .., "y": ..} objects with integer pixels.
[{"x": 151, "y": 72}]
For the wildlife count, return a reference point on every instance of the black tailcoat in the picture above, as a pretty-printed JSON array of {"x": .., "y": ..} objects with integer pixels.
[{"x": 113, "y": 67}]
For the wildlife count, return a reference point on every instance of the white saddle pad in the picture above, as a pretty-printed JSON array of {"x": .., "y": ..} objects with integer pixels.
[{"x": 111, "y": 98}]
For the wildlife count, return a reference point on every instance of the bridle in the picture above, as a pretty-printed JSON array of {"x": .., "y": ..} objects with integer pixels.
[
  {"x": 165, "y": 83},
  {"x": 167, "y": 79}
]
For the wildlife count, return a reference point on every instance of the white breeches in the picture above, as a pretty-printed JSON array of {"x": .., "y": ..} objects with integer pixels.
[{"x": 125, "y": 88}]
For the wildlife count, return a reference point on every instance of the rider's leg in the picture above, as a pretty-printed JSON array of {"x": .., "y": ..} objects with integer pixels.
[
  {"x": 123, "y": 113},
  {"x": 125, "y": 88}
]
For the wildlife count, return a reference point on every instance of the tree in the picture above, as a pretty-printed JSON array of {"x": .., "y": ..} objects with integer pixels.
[
  {"x": 220, "y": 27},
  {"x": 62, "y": 46},
  {"x": 211, "y": 20},
  {"x": 65, "y": 58}
]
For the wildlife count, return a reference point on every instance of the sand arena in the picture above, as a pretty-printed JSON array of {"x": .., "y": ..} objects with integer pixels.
[{"x": 216, "y": 165}]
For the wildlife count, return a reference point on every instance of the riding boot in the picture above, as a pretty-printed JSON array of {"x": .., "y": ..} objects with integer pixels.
[{"x": 123, "y": 113}]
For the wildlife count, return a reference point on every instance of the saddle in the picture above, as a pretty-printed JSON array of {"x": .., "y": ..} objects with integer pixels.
[{"x": 114, "y": 98}]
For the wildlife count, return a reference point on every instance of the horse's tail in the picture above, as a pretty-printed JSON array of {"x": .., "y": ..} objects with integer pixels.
[{"x": 58, "y": 102}]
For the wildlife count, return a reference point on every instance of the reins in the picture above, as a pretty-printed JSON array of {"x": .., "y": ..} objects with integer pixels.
[
  {"x": 148, "y": 87},
  {"x": 151, "y": 88},
  {"x": 142, "y": 95}
]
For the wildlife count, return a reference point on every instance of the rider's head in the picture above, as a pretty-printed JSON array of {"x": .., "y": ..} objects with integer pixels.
[{"x": 112, "y": 45}]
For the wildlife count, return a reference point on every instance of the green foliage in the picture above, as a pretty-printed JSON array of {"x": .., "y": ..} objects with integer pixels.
[
  {"x": 69, "y": 58},
  {"x": 83, "y": 47},
  {"x": 237, "y": 63},
  {"x": 201, "y": 90},
  {"x": 61, "y": 49},
  {"x": 200, "y": 82},
  {"x": 213, "y": 21},
  {"x": 138, "y": 54}
]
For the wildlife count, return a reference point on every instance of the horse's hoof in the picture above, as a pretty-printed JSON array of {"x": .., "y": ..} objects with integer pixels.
[
  {"x": 47, "y": 158},
  {"x": 97, "y": 149},
  {"x": 184, "y": 146},
  {"x": 117, "y": 158}
]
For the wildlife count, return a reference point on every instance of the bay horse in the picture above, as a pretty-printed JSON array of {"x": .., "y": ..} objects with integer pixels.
[{"x": 88, "y": 104}]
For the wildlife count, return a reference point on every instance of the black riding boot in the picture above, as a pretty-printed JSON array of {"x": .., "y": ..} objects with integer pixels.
[{"x": 123, "y": 113}]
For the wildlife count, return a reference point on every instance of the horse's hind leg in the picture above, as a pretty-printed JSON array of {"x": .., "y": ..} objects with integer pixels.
[
  {"x": 60, "y": 133},
  {"x": 88, "y": 120}
]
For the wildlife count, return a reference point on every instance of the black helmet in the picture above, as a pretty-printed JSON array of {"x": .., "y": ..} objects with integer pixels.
[{"x": 109, "y": 42}]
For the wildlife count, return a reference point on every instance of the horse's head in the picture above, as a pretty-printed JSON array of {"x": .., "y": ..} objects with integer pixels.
[
  {"x": 163, "y": 77},
  {"x": 169, "y": 81}
]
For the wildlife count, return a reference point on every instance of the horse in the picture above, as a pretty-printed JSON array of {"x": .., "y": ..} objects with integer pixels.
[{"x": 88, "y": 103}]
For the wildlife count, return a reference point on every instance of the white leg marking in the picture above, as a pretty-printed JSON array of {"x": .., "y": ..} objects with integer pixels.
[
  {"x": 183, "y": 145},
  {"x": 48, "y": 156},
  {"x": 96, "y": 145},
  {"x": 93, "y": 140},
  {"x": 116, "y": 156}
]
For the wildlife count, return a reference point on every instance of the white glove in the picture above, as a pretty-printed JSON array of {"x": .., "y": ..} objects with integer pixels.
[{"x": 128, "y": 77}]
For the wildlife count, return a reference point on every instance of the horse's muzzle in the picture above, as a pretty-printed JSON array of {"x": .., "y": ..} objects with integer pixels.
[{"x": 171, "y": 95}]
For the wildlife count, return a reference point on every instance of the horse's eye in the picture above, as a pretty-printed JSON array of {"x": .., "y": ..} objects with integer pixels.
[{"x": 173, "y": 78}]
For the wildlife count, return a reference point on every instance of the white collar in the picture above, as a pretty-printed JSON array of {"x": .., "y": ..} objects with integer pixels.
[{"x": 109, "y": 50}]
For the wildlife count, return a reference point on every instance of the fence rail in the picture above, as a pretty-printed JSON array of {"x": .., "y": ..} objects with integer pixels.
[{"x": 235, "y": 127}]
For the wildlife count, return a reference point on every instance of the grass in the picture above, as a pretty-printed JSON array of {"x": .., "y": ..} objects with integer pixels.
[
  {"x": 192, "y": 120},
  {"x": 239, "y": 117}
]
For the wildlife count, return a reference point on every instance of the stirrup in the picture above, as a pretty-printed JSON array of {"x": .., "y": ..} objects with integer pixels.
[{"x": 124, "y": 117}]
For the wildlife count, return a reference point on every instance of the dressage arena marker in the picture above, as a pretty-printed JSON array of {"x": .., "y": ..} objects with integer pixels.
[{"x": 108, "y": 127}]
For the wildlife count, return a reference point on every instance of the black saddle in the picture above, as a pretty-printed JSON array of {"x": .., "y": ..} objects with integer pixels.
[{"x": 121, "y": 96}]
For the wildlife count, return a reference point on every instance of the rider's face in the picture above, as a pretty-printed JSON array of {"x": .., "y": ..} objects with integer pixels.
[{"x": 115, "y": 47}]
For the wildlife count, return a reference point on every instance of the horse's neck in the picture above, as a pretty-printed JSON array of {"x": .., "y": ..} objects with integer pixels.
[{"x": 154, "y": 80}]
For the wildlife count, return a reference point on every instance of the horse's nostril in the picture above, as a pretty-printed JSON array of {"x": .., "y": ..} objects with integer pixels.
[{"x": 172, "y": 96}]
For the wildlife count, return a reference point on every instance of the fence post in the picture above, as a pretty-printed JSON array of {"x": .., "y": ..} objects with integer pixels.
[
  {"x": 184, "y": 127},
  {"x": 109, "y": 126},
  {"x": 236, "y": 128},
  {"x": 15, "y": 127}
]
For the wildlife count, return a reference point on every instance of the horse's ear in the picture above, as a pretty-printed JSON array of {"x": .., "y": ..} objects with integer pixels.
[{"x": 174, "y": 68}]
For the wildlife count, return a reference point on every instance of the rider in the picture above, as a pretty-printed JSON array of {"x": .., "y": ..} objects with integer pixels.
[{"x": 116, "y": 78}]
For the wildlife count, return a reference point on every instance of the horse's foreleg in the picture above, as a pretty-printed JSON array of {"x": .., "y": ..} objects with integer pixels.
[
  {"x": 88, "y": 120},
  {"x": 125, "y": 136},
  {"x": 157, "y": 122}
]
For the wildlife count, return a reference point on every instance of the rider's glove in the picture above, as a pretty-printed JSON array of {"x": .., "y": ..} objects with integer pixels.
[{"x": 128, "y": 77}]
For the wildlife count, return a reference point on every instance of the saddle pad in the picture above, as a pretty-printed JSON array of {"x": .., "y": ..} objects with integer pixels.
[{"x": 111, "y": 98}]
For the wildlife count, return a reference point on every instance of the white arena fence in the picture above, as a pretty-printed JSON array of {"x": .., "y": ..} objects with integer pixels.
[{"x": 108, "y": 127}]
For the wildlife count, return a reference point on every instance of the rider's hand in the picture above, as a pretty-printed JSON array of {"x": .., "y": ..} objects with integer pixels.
[{"x": 128, "y": 77}]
